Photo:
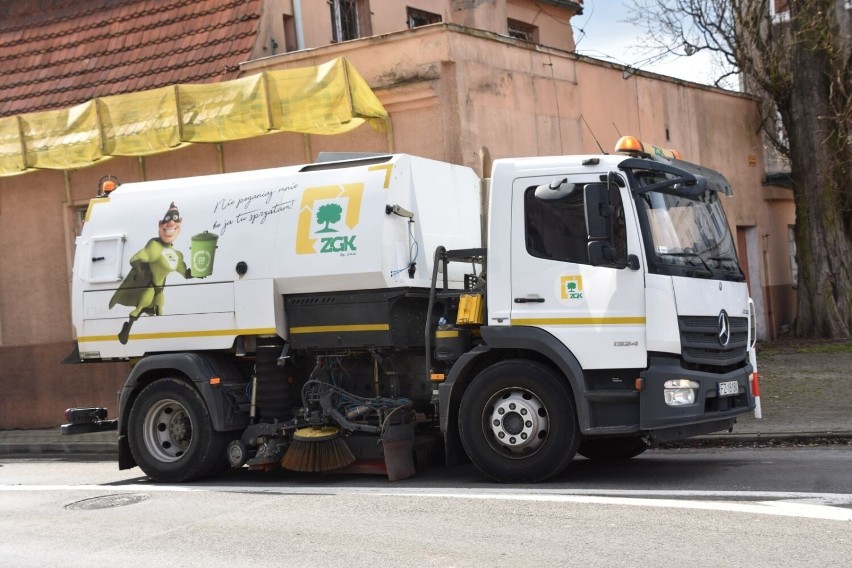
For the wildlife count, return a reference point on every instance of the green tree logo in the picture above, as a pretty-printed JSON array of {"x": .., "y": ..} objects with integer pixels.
[
  {"x": 328, "y": 214},
  {"x": 572, "y": 286}
]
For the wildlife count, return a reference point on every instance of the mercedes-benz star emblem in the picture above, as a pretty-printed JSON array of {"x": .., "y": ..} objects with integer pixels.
[{"x": 724, "y": 329}]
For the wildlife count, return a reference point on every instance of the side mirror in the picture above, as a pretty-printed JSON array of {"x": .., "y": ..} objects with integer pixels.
[
  {"x": 598, "y": 212},
  {"x": 601, "y": 253},
  {"x": 599, "y": 227},
  {"x": 557, "y": 189}
]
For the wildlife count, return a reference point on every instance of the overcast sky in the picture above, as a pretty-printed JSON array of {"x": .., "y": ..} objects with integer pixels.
[{"x": 602, "y": 32}]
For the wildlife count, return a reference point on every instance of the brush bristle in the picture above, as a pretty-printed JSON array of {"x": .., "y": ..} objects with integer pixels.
[{"x": 325, "y": 455}]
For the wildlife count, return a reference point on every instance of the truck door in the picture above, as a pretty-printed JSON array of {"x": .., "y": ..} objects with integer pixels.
[
  {"x": 106, "y": 264},
  {"x": 598, "y": 312}
]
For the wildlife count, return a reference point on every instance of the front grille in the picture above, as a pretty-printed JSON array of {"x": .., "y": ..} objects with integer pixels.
[{"x": 700, "y": 348}]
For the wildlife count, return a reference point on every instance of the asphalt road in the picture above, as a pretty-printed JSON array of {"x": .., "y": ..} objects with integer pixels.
[{"x": 765, "y": 507}]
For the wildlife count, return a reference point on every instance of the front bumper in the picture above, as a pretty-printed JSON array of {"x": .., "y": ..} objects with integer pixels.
[{"x": 709, "y": 413}]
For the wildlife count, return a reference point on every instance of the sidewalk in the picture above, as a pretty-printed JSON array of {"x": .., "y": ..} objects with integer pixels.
[{"x": 806, "y": 393}]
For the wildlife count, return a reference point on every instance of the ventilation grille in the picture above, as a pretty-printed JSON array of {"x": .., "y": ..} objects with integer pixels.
[{"x": 699, "y": 339}]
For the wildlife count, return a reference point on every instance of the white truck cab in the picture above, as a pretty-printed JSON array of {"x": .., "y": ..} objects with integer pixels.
[{"x": 620, "y": 270}]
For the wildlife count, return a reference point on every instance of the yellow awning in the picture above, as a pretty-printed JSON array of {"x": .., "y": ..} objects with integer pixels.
[{"x": 331, "y": 98}]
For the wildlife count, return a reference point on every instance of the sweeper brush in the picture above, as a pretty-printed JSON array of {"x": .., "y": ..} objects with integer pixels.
[{"x": 317, "y": 449}]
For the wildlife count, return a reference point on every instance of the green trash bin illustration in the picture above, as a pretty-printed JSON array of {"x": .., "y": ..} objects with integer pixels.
[{"x": 202, "y": 253}]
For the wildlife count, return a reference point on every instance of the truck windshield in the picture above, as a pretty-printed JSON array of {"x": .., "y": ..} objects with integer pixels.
[{"x": 689, "y": 235}]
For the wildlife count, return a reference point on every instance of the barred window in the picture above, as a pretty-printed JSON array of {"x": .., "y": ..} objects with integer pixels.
[
  {"x": 522, "y": 30},
  {"x": 417, "y": 18},
  {"x": 350, "y": 19}
]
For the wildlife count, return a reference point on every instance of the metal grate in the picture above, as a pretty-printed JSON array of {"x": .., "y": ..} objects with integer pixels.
[{"x": 699, "y": 339}]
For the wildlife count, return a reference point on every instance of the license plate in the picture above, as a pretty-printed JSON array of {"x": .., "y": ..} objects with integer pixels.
[{"x": 729, "y": 388}]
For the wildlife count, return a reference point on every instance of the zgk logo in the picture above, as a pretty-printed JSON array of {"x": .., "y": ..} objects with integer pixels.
[
  {"x": 328, "y": 216},
  {"x": 338, "y": 244},
  {"x": 571, "y": 287}
]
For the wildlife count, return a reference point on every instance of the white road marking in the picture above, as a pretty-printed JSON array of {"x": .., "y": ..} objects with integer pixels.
[{"x": 787, "y": 504}]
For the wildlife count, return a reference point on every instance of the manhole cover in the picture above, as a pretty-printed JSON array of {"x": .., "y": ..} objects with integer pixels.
[{"x": 108, "y": 501}]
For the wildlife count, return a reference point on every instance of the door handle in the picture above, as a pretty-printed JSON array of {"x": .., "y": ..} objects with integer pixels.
[
  {"x": 529, "y": 300},
  {"x": 98, "y": 258}
]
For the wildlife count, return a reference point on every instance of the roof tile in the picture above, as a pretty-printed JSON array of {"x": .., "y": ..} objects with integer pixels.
[{"x": 57, "y": 53}]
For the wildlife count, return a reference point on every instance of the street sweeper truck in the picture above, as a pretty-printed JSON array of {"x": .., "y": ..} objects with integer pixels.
[{"x": 375, "y": 312}]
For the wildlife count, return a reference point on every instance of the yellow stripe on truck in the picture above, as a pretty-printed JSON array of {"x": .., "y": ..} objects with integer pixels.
[
  {"x": 445, "y": 334},
  {"x": 580, "y": 321},
  {"x": 340, "y": 328},
  {"x": 181, "y": 334}
]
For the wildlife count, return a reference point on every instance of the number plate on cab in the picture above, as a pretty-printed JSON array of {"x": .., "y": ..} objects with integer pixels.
[{"x": 729, "y": 388}]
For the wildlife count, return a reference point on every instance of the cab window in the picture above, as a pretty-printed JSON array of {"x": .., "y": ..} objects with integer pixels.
[{"x": 556, "y": 228}]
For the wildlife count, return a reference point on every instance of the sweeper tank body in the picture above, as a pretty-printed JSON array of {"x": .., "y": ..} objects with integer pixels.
[{"x": 241, "y": 242}]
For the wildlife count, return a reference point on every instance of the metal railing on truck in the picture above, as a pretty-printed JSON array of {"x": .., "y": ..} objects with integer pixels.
[{"x": 449, "y": 298}]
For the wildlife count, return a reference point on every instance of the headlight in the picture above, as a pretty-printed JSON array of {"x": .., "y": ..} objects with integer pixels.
[{"x": 679, "y": 392}]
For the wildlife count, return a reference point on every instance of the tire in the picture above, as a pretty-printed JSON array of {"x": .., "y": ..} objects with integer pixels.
[
  {"x": 518, "y": 422},
  {"x": 612, "y": 449},
  {"x": 171, "y": 435}
]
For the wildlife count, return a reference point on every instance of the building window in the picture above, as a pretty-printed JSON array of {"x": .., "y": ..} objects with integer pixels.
[
  {"x": 791, "y": 246},
  {"x": 779, "y": 10},
  {"x": 417, "y": 18},
  {"x": 779, "y": 6},
  {"x": 80, "y": 217},
  {"x": 350, "y": 19},
  {"x": 523, "y": 30},
  {"x": 290, "y": 43}
]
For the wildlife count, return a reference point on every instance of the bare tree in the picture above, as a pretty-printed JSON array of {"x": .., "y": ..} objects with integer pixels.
[{"x": 796, "y": 55}]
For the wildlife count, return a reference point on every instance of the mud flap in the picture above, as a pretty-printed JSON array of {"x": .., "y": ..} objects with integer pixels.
[{"x": 398, "y": 447}]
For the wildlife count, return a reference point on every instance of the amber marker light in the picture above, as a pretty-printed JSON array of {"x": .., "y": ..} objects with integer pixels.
[
  {"x": 438, "y": 377},
  {"x": 107, "y": 184},
  {"x": 215, "y": 381},
  {"x": 633, "y": 146},
  {"x": 629, "y": 144}
]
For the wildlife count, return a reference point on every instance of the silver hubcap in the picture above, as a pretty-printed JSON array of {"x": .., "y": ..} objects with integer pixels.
[
  {"x": 167, "y": 430},
  {"x": 518, "y": 421}
]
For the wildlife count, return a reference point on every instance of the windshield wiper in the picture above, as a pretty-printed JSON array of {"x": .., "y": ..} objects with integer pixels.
[
  {"x": 707, "y": 273},
  {"x": 735, "y": 272}
]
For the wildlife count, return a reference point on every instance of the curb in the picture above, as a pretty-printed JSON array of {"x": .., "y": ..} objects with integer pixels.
[
  {"x": 759, "y": 439},
  {"x": 58, "y": 449}
]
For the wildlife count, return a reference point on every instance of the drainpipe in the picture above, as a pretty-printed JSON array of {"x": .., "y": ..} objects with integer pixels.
[
  {"x": 769, "y": 314},
  {"x": 69, "y": 200},
  {"x": 484, "y": 194},
  {"x": 297, "y": 20}
]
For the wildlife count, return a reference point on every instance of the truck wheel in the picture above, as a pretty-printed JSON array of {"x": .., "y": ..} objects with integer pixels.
[
  {"x": 518, "y": 422},
  {"x": 171, "y": 435},
  {"x": 612, "y": 449}
]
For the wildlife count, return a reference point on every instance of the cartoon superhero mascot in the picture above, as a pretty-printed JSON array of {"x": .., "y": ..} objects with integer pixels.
[{"x": 143, "y": 286}]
